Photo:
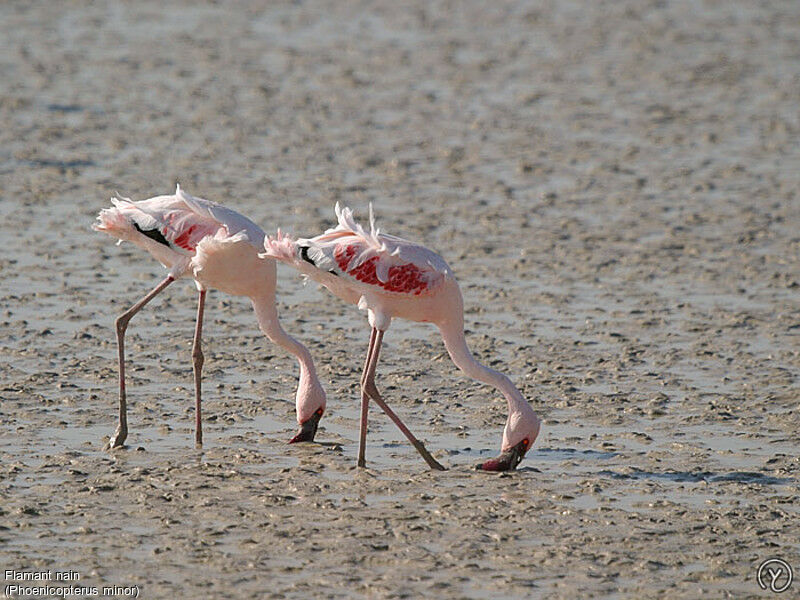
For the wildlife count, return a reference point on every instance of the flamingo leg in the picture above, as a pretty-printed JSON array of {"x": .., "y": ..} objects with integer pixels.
[
  {"x": 371, "y": 390},
  {"x": 197, "y": 364},
  {"x": 362, "y": 442},
  {"x": 118, "y": 439}
]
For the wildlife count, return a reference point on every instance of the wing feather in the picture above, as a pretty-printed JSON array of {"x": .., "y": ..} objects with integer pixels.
[
  {"x": 230, "y": 219},
  {"x": 371, "y": 259}
]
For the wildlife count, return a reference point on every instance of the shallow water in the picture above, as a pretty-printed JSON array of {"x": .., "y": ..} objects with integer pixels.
[{"x": 614, "y": 185}]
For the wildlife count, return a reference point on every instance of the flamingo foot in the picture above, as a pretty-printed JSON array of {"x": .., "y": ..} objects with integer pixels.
[
  {"x": 507, "y": 461},
  {"x": 308, "y": 429},
  {"x": 426, "y": 456},
  {"x": 118, "y": 439}
]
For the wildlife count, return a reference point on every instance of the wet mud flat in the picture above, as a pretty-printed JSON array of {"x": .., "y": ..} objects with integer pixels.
[{"x": 615, "y": 186}]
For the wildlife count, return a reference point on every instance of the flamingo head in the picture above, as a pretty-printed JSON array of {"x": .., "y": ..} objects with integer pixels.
[
  {"x": 508, "y": 459},
  {"x": 308, "y": 428},
  {"x": 521, "y": 431}
]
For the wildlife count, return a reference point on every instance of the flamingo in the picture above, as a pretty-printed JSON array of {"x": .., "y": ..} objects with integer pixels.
[
  {"x": 218, "y": 248},
  {"x": 391, "y": 277}
]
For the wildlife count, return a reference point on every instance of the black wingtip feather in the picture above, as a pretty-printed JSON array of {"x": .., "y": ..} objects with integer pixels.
[{"x": 153, "y": 234}]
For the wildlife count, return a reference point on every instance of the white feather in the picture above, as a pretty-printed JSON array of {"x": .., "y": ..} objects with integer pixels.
[{"x": 320, "y": 259}]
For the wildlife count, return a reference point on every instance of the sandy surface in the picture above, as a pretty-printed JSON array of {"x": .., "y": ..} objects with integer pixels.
[{"x": 616, "y": 187}]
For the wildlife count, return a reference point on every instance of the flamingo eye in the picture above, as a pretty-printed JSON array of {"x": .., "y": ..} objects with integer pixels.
[
  {"x": 526, "y": 442},
  {"x": 319, "y": 411}
]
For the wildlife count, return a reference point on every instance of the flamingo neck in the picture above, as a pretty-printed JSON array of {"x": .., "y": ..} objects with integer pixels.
[
  {"x": 310, "y": 394},
  {"x": 454, "y": 341}
]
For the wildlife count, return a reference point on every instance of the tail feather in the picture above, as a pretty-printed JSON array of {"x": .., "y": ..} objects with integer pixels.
[
  {"x": 113, "y": 222},
  {"x": 124, "y": 219},
  {"x": 280, "y": 247}
]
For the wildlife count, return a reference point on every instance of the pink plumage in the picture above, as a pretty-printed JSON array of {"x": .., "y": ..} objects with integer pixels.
[
  {"x": 390, "y": 277},
  {"x": 218, "y": 248}
]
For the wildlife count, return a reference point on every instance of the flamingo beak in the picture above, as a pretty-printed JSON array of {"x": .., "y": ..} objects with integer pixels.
[
  {"x": 508, "y": 460},
  {"x": 308, "y": 429}
]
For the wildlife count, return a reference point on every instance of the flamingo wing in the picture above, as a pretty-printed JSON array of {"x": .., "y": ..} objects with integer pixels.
[
  {"x": 163, "y": 219},
  {"x": 371, "y": 259},
  {"x": 230, "y": 219},
  {"x": 177, "y": 221}
]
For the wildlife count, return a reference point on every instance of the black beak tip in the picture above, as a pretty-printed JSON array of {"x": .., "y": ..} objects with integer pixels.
[
  {"x": 307, "y": 430},
  {"x": 302, "y": 436},
  {"x": 496, "y": 465},
  {"x": 507, "y": 461}
]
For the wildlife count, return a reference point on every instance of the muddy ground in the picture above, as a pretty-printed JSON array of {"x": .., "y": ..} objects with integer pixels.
[{"x": 615, "y": 185}]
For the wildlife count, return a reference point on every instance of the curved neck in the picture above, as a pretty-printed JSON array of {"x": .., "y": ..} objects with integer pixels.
[
  {"x": 267, "y": 315},
  {"x": 310, "y": 395},
  {"x": 456, "y": 344}
]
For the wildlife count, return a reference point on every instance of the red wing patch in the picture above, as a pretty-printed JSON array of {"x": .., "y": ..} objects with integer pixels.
[
  {"x": 184, "y": 240},
  {"x": 404, "y": 279}
]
